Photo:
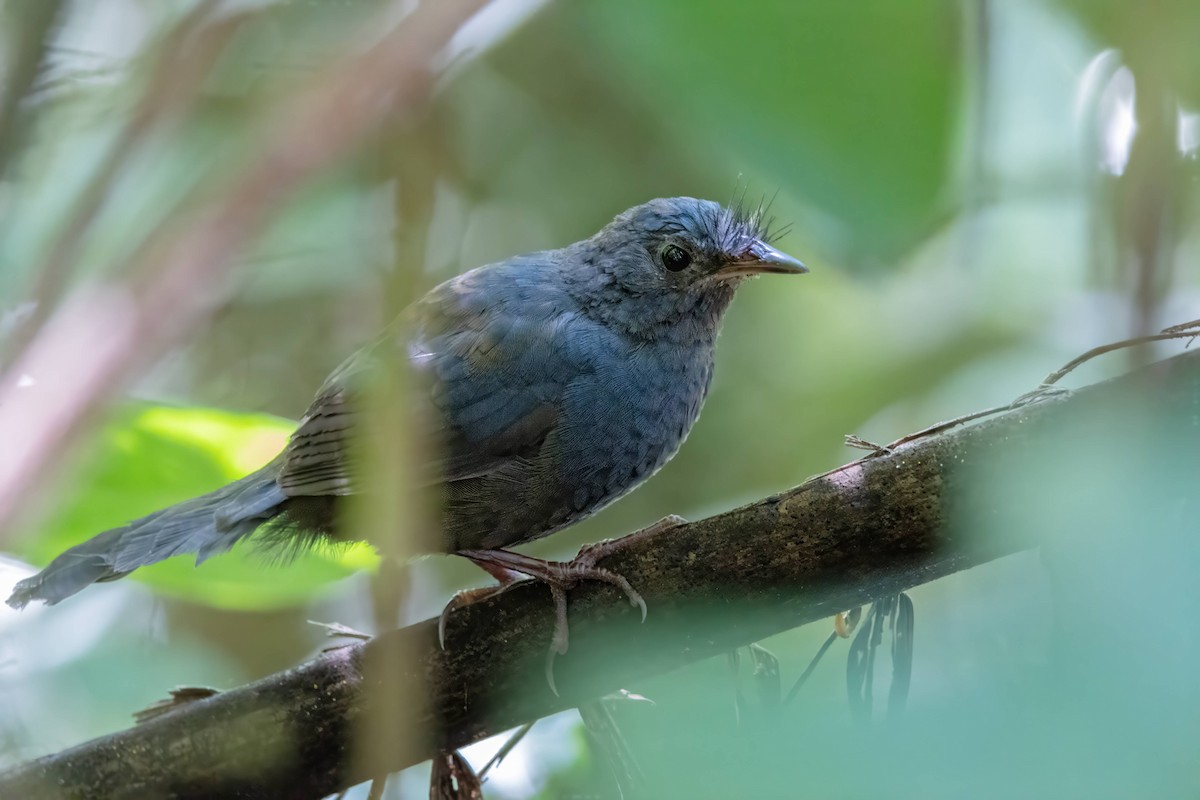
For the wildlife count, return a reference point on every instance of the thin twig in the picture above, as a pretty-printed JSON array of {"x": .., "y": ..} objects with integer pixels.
[
  {"x": 505, "y": 749},
  {"x": 1193, "y": 326},
  {"x": 1186, "y": 330},
  {"x": 812, "y": 665},
  {"x": 941, "y": 427},
  {"x": 1167, "y": 334}
]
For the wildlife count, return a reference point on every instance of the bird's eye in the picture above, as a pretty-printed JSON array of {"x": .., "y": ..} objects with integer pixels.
[{"x": 675, "y": 258}]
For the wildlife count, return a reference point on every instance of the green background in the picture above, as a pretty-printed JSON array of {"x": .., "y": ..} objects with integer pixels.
[{"x": 955, "y": 176}]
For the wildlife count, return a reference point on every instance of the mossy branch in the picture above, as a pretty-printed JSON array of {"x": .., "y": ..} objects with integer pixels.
[{"x": 869, "y": 529}]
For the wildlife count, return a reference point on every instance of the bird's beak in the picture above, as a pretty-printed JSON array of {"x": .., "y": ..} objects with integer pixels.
[{"x": 760, "y": 258}]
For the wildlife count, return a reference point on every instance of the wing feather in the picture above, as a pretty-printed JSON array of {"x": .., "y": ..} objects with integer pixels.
[{"x": 490, "y": 387}]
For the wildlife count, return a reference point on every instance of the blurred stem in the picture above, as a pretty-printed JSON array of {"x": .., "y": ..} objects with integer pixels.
[
  {"x": 613, "y": 748},
  {"x": 974, "y": 146},
  {"x": 390, "y": 509},
  {"x": 1147, "y": 195},
  {"x": 30, "y": 25},
  {"x": 396, "y": 514},
  {"x": 868, "y": 531}
]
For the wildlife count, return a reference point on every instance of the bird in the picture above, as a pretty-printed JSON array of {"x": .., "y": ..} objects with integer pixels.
[{"x": 554, "y": 382}]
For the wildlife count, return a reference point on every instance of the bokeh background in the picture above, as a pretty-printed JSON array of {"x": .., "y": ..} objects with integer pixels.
[{"x": 982, "y": 190}]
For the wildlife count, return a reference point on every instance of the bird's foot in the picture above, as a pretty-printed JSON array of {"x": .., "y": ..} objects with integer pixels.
[{"x": 559, "y": 576}]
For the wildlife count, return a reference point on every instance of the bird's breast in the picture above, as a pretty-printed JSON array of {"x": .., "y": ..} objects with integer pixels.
[
  {"x": 628, "y": 420},
  {"x": 618, "y": 422}
]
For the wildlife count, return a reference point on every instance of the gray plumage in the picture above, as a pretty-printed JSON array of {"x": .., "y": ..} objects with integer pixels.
[{"x": 556, "y": 382}]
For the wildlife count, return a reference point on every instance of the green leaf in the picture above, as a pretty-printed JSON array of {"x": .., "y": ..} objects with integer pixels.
[
  {"x": 855, "y": 104},
  {"x": 152, "y": 456}
]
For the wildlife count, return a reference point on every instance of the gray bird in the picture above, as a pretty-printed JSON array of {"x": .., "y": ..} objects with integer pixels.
[{"x": 555, "y": 382}]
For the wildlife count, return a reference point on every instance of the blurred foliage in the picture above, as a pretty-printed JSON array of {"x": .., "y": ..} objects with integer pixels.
[
  {"x": 1158, "y": 42},
  {"x": 755, "y": 77},
  {"x": 955, "y": 174}
]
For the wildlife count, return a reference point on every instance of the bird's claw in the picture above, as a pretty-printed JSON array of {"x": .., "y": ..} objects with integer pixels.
[
  {"x": 445, "y": 615},
  {"x": 559, "y": 642},
  {"x": 559, "y": 576},
  {"x": 583, "y": 567},
  {"x": 573, "y": 572},
  {"x": 464, "y": 598}
]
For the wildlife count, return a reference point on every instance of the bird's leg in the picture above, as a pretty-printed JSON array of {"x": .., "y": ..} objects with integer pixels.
[{"x": 559, "y": 576}]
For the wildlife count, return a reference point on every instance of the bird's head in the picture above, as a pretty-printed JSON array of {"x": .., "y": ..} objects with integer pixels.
[
  {"x": 689, "y": 241},
  {"x": 679, "y": 256}
]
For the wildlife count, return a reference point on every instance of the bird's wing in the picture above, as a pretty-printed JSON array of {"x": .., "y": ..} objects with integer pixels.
[{"x": 490, "y": 375}]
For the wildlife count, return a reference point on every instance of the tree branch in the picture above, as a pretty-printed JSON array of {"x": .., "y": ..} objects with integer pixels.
[{"x": 872, "y": 528}]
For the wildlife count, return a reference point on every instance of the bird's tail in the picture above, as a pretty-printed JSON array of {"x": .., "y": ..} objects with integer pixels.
[{"x": 205, "y": 525}]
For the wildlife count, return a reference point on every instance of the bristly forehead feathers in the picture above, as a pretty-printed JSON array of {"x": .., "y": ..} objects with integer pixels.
[
  {"x": 669, "y": 268},
  {"x": 726, "y": 230}
]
